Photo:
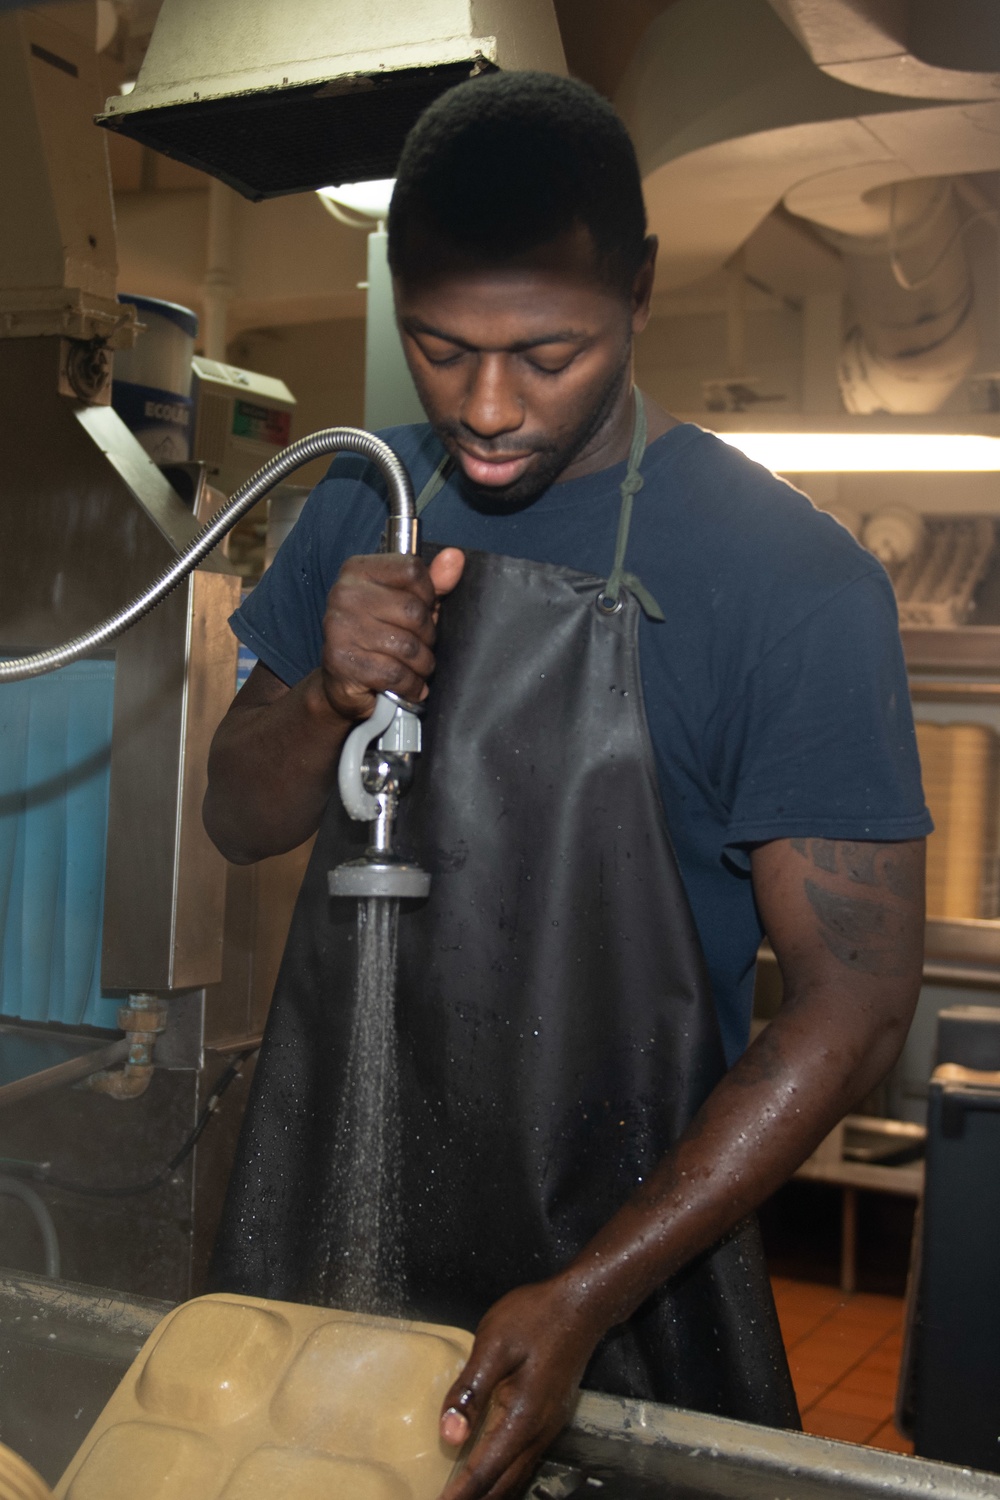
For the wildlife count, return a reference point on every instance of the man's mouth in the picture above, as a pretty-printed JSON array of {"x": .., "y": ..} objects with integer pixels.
[{"x": 494, "y": 472}]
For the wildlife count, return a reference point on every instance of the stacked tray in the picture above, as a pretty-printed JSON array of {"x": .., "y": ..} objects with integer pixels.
[{"x": 233, "y": 1398}]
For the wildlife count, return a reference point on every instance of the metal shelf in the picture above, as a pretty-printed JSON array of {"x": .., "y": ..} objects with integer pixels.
[{"x": 967, "y": 648}]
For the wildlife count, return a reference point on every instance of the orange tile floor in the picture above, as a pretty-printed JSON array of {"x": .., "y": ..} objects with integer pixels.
[{"x": 844, "y": 1349}]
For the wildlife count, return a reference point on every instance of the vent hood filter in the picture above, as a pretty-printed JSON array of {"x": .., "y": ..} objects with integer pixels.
[
  {"x": 283, "y": 99},
  {"x": 291, "y": 140}
]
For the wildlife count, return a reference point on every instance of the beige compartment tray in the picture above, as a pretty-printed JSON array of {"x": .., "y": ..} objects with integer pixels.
[{"x": 234, "y": 1398}]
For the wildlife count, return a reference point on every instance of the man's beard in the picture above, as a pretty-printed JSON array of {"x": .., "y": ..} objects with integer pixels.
[{"x": 553, "y": 458}]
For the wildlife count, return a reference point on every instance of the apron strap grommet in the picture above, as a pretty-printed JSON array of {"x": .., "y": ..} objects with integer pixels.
[{"x": 609, "y": 606}]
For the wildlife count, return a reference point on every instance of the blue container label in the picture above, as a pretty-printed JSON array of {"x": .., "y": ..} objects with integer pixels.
[{"x": 161, "y": 420}]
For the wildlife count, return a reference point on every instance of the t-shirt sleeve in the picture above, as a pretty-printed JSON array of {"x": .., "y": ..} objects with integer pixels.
[
  {"x": 281, "y": 620},
  {"x": 821, "y": 741}
]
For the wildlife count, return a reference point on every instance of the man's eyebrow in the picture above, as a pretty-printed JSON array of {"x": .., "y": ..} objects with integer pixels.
[{"x": 558, "y": 336}]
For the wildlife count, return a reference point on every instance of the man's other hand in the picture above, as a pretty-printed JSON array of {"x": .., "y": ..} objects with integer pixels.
[
  {"x": 379, "y": 628},
  {"x": 522, "y": 1376}
]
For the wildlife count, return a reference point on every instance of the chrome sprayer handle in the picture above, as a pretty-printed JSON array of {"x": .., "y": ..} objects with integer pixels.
[
  {"x": 359, "y": 803},
  {"x": 402, "y": 534}
]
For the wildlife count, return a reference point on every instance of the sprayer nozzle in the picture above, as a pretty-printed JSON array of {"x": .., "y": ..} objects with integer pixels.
[{"x": 361, "y": 878}]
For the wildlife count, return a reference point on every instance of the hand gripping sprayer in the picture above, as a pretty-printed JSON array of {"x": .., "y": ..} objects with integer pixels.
[{"x": 376, "y": 766}]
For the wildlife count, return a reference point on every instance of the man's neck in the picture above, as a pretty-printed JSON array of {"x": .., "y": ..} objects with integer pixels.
[{"x": 611, "y": 444}]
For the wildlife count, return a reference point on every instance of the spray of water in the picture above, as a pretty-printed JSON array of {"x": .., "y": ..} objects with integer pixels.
[{"x": 364, "y": 1271}]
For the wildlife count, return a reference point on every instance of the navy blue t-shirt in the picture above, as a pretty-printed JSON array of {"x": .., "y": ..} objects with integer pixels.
[{"x": 775, "y": 689}]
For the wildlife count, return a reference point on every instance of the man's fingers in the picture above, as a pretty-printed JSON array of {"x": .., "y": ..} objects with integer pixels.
[
  {"x": 446, "y": 569},
  {"x": 380, "y": 627},
  {"x": 469, "y": 1396},
  {"x": 462, "y": 1408},
  {"x": 412, "y": 573},
  {"x": 505, "y": 1453},
  {"x": 454, "y": 1427},
  {"x": 393, "y": 571},
  {"x": 358, "y": 674},
  {"x": 354, "y": 606},
  {"x": 514, "y": 1481},
  {"x": 380, "y": 641}
]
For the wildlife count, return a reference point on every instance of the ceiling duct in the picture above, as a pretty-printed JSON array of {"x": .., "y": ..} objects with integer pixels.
[
  {"x": 734, "y": 113},
  {"x": 913, "y": 338},
  {"x": 284, "y": 98},
  {"x": 920, "y": 48}
]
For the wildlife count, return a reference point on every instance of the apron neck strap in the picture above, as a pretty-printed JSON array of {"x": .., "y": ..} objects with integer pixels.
[
  {"x": 436, "y": 483},
  {"x": 609, "y": 600}
]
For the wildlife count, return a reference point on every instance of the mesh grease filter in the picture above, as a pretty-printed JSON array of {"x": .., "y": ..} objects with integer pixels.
[{"x": 294, "y": 139}]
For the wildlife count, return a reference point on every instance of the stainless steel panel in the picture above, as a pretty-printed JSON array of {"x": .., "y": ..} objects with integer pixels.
[
  {"x": 260, "y": 899},
  {"x": 200, "y": 873},
  {"x": 182, "y": 1044},
  {"x": 138, "y": 1241},
  {"x": 165, "y": 884},
  {"x": 143, "y": 480},
  {"x": 146, "y": 772},
  {"x": 88, "y": 520},
  {"x": 78, "y": 539}
]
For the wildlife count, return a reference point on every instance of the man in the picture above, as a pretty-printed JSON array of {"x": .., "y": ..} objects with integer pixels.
[{"x": 615, "y": 627}]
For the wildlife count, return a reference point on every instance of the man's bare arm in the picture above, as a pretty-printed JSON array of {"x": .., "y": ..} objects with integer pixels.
[
  {"x": 271, "y": 768},
  {"x": 846, "y": 924}
]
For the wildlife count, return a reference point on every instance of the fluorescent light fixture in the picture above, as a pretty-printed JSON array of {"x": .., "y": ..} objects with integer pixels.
[
  {"x": 370, "y": 200},
  {"x": 869, "y": 452}
]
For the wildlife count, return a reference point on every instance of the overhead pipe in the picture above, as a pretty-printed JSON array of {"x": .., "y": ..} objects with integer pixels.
[
  {"x": 218, "y": 287},
  {"x": 913, "y": 336}
]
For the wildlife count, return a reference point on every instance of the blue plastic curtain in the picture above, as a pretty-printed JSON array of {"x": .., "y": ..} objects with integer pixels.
[{"x": 55, "y": 753}]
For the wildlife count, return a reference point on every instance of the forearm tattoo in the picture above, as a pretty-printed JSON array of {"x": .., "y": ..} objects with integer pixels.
[{"x": 870, "y": 932}]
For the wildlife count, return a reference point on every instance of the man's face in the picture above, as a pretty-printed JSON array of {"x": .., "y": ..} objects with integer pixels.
[{"x": 522, "y": 367}]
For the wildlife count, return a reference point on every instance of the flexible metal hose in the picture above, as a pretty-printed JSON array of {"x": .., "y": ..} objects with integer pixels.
[{"x": 331, "y": 440}]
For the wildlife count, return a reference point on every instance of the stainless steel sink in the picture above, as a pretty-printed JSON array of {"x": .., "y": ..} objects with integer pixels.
[{"x": 63, "y": 1349}]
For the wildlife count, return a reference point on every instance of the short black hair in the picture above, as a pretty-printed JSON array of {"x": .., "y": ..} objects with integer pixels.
[{"x": 509, "y": 161}]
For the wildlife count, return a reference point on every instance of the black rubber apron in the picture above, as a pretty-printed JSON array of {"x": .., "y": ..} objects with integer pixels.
[{"x": 555, "y": 1025}]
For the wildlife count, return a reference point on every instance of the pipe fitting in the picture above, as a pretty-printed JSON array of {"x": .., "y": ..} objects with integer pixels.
[{"x": 142, "y": 1020}]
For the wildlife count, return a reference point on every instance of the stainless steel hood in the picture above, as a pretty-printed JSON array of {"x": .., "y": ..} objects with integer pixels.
[{"x": 279, "y": 99}]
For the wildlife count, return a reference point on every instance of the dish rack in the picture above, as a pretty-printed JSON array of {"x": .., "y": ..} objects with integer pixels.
[{"x": 934, "y": 587}]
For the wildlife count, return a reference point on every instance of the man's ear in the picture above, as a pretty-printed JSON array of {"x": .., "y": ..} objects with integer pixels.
[{"x": 642, "y": 286}]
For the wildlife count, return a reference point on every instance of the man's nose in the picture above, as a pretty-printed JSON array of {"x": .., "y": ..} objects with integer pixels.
[{"x": 492, "y": 404}]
